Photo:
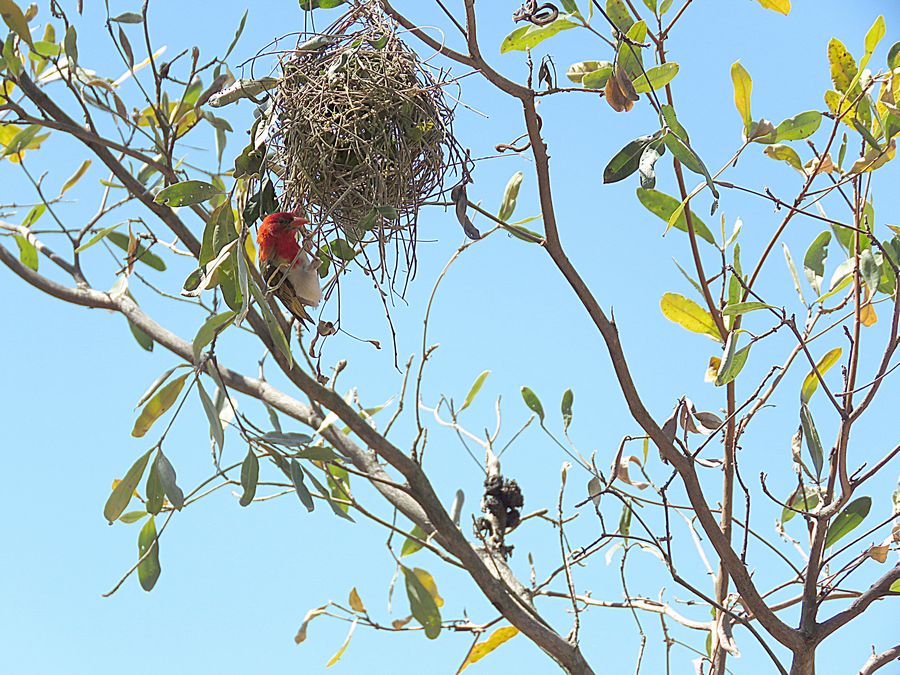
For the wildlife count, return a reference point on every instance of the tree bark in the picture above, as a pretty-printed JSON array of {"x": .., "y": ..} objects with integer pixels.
[{"x": 804, "y": 662}]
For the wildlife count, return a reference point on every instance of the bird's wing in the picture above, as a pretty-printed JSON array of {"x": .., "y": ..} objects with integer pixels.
[{"x": 276, "y": 279}]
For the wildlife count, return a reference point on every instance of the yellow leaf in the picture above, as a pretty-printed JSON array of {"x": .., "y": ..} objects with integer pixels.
[
  {"x": 780, "y": 6},
  {"x": 867, "y": 315},
  {"x": 157, "y": 406},
  {"x": 482, "y": 649},
  {"x": 712, "y": 369},
  {"x": 356, "y": 603},
  {"x": 688, "y": 314},
  {"x": 811, "y": 383},
  {"x": 340, "y": 652},
  {"x": 743, "y": 85},
  {"x": 840, "y": 107},
  {"x": 874, "y": 159},
  {"x": 428, "y": 582},
  {"x": 75, "y": 177},
  {"x": 816, "y": 165}
]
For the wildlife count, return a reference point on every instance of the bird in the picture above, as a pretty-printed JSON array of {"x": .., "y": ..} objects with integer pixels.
[{"x": 285, "y": 266}]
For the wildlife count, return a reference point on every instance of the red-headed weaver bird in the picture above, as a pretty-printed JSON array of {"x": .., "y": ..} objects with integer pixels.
[{"x": 286, "y": 266}]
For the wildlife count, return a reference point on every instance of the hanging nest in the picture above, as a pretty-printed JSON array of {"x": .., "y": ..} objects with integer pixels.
[{"x": 362, "y": 137}]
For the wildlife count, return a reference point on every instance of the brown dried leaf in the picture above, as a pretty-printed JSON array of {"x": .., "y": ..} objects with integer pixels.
[
  {"x": 620, "y": 471},
  {"x": 310, "y": 615},
  {"x": 879, "y": 553},
  {"x": 356, "y": 603}
]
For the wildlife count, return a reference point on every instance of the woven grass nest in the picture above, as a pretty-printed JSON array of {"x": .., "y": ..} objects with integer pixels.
[{"x": 363, "y": 137}]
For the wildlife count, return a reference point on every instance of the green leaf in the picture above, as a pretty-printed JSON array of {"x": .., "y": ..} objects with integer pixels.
[
  {"x": 630, "y": 57},
  {"x": 805, "y": 499},
  {"x": 410, "y": 546},
  {"x": 665, "y": 206},
  {"x": 473, "y": 390},
  {"x": 149, "y": 568},
  {"x": 166, "y": 473},
  {"x": 122, "y": 493},
  {"x": 126, "y": 48},
  {"x": 566, "y": 408},
  {"x": 893, "y": 57},
  {"x": 339, "y": 483},
  {"x": 743, "y": 86},
  {"x": 28, "y": 253},
  {"x": 336, "y": 508},
  {"x": 132, "y": 517},
  {"x": 249, "y": 478},
  {"x": 343, "y": 250},
  {"x": 187, "y": 193},
  {"x": 530, "y": 36},
  {"x": 814, "y": 261},
  {"x": 811, "y": 434},
  {"x": 318, "y": 454},
  {"x": 619, "y": 14},
  {"x": 141, "y": 254},
  {"x": 627, "y": 160},
  {"x": 799, "y": 126},
  {"x": 97, "y": 237},
  {"x": 868, "y": 268},
  {"x": 15, "y": 19},
  {"x": 785, "y": 153},
  {"x": 157, "y": 406},
  {"x": 299, "y": 487},
  {"x": 691, "y": 160},
  {"x": 422, "y": 604},
  {"x": 781, "y": 6},
  {"x": 793, "y": 270},
  {"x": 216, "y": 431},
  {"x": 655, "y": 78},
  {"x": 510, "y": 195},
  {"x": 811, "y": 382},
  {"x": 738, "y": 308},
  {"x": 597, "y": 79},
  {"x": 533, "y": 403},
  {"x": 320, "y": 4},
  {"x": 689, "y": 315},
  {"x": 209, "y": 330},
  {"x": 237, "y": 36},
  {"x": 128, "y": 17},
  {"x": 291, "y": 440},
  {"x": 156, "y": 494},
  {"x": 731, "y": 367},
  {"x": 836, "y": 288},
  {"x": 144, "y": 340},
  {"x": 668, "y": 113},
  {"x": 577, "y": 72},
  {"x": 848, "y": 520}
]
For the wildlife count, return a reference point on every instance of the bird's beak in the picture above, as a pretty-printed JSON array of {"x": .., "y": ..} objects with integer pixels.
[{"x": 299, "y": 223}]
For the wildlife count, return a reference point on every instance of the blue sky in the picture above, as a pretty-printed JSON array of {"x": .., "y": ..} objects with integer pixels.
[{"x": 237, "y": 582}]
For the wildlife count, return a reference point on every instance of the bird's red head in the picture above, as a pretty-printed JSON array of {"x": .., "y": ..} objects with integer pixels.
[{"x": 277, "y": 235}]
